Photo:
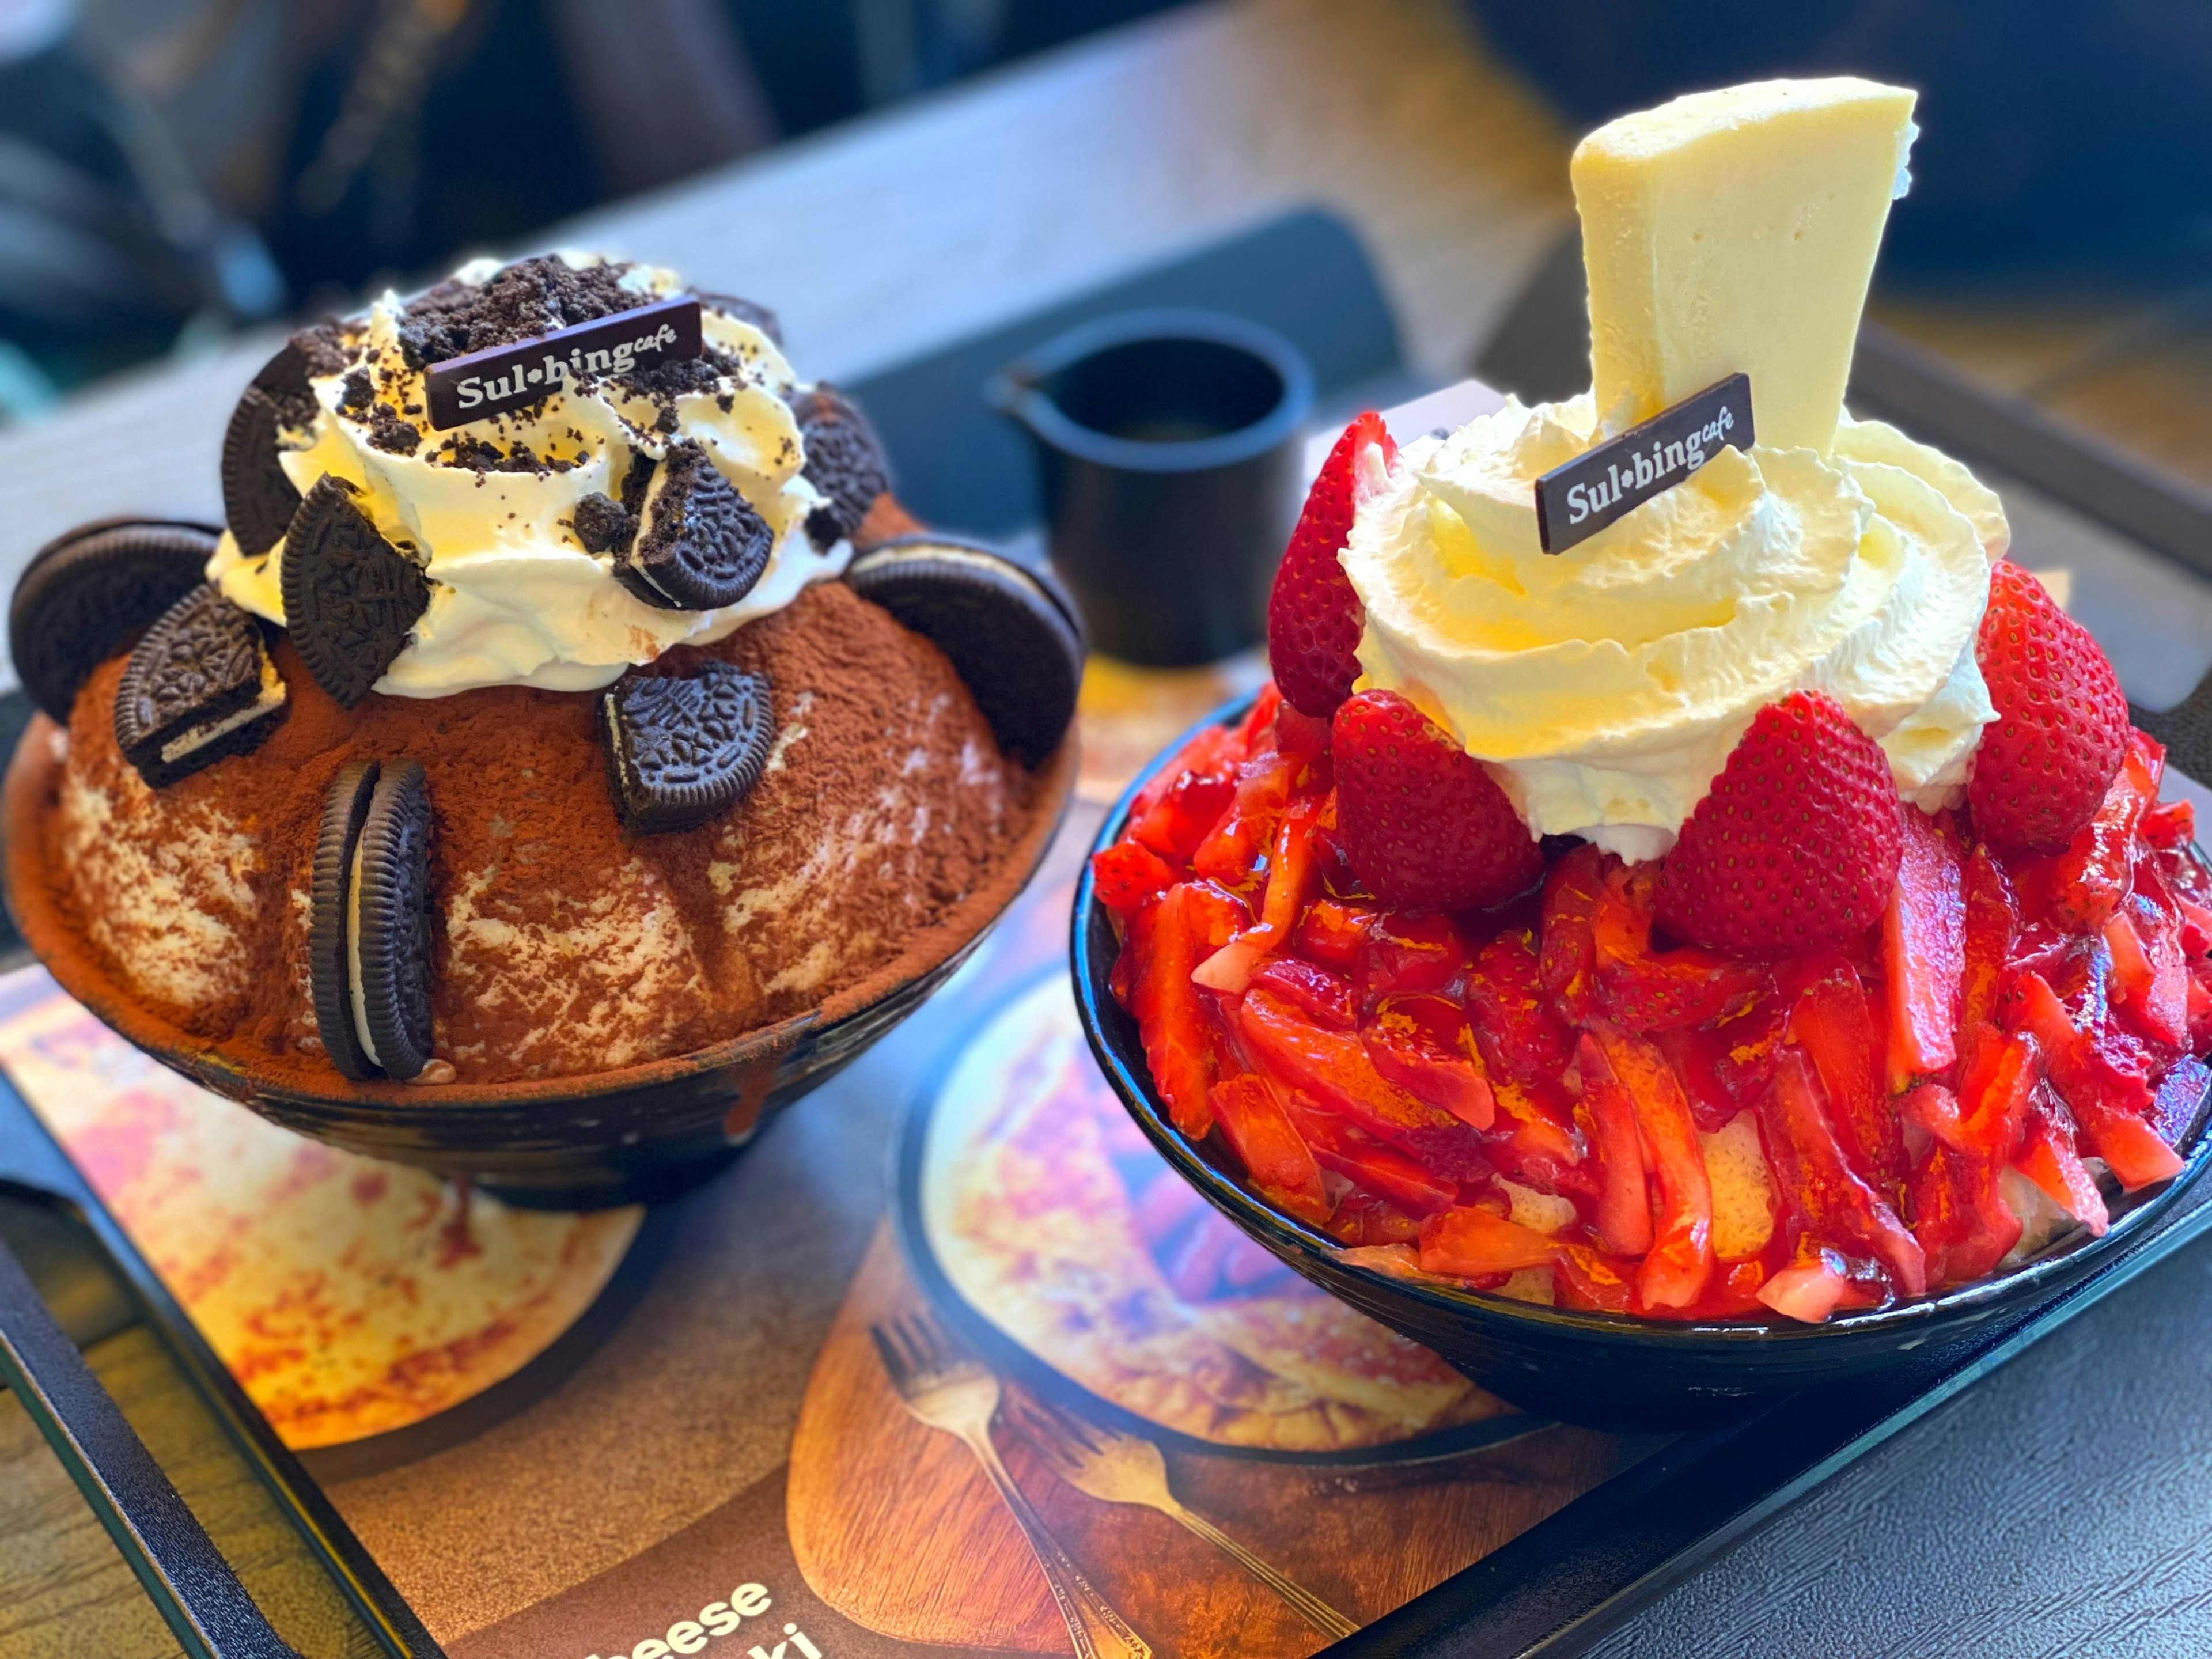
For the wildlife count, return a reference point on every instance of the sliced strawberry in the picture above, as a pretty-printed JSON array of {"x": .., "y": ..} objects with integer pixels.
[
  {"x": 2170, "y": 825},
  {"x": 2062, "y": 718},
  {"x": 1534, "y": 1139},
  {"x": 1960, "y": 1220},
  {"x": 1831, "y": 1022},
  {"x": 1923, "y": 954},
  {"x": 1514, "y": 1028},
  {"x": 1324, "y": 998},
  {"x": 1405, "y": 955},
  {"x": 1817, "y": 1181},
  {"x": 1334, "y": 1068},
  {"x": 1289, "y": 878},
  {"x": 1333, "y": 934},
  {"x": 1261, "y": 729},
  {"x": 1314, "y": 617},
  {"x": 2077, "y": 889},
  {"x": 1259, "y": 1130},
  {"x": 1169, "y": 938},
  {"x": 2048, "y": 1156},
  {"x": 2150, "y": 978},
  {"x": 1343, "y": 1148},
  {"x": 1624, "y": 1199},
  {"x": 1997, "y": 1093},
  {"x": 1129, "y": 875},
  {"x": 1239, "y": 834},
  {"x": 1933, "y": 1110},
  {"x": 1472, "y": 1243},
  {"x": 1588, "y": 1278},
  {"x": 1568, "y": 958},
  {"x": 1366, "y": 1220},
  {"x": 1214, "y": 751},
  {"x": 1992, "y": 920},
  {"x": 1675, "y": 1271},
  {"x": 1795, "y": 846},
  {"x": 1425, "y": 826},
  {"x": 1645, "y": 990},
  {"x": 1422, "y": 1045},
  {"x": 2110, "y": 1105}
]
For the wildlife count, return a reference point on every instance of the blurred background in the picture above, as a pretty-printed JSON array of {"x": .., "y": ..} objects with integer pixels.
[{"x": 179, "y": 177}]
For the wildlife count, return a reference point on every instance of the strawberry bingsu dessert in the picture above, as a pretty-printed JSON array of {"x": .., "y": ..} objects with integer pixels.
[{"x": 1760, "y": 905}]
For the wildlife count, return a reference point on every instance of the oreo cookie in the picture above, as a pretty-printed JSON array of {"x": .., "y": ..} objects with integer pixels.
[
  {"x": 199, "y": 687},
  {"x": 259, "y": 500},
  {"x": 683, "y": 749},
  {"x": 350, "y": 598},
  {"x": 698, "y": 544},
  {"x": 369, "y": 940},
  {"x": 83, "y": 591},
  {"x": 1010, "y": 634},
  {"x": 844, "y": 460}
]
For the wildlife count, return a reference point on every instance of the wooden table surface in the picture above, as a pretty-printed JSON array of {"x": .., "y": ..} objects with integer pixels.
[{"x": 2063, "y": 1507}]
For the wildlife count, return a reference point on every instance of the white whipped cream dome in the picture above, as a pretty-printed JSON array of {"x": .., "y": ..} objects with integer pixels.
[
  {"x": 1606, "y": 685},
  {"x": 488, "y": 507}
]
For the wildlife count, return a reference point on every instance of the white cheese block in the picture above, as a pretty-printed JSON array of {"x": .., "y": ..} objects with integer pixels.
[{"x": 1737, "y": 230}]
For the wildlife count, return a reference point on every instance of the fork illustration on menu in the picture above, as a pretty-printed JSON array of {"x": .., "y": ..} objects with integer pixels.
[
  {"x": 1121, "y": 1468},
  {"x": 951, "y": 1390}
]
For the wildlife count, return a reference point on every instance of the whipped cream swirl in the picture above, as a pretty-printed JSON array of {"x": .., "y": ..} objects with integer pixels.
[
  {"x": 489, "y": 508},
  {"x": 1606, "y": 685}
]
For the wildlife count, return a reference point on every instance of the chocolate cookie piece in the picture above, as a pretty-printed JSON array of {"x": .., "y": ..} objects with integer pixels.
[
  {"x": 369, "y": 941},
  {"x": 199, "y": 686},
  {"x": 604, "y": 525},
  {"x": 1011, "y": 635},
  {"x": 700, "y": 544},
  {"x": 259, "y": 500},
  {"x": 83, "y": 591},
  {"x": 350, "y": 598},
  {"x": 330, "y": 946},
  {"x": 844, "y": 460},
  {"x": 684, "y": 748},
  {"x": 390, "y": 922}
]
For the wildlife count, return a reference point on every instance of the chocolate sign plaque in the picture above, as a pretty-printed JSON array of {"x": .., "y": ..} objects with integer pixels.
[
  {"x": 1576, "y": 500},
  {"x": 488, "y": 383}
]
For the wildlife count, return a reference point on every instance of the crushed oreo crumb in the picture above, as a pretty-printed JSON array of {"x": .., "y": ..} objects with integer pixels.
[
  {"x": 527, "y": 298},
  {"x": 387, "y": 432},
  {"x": 604, "y": 525}
]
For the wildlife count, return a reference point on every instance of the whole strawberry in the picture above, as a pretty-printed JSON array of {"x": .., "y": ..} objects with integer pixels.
[
  {"x": 2062, "y": 725},
  {"x": 1313, "y": 616},
  {"x": 1426, "y": 827},
  {"x": 1795, "y": 848}
]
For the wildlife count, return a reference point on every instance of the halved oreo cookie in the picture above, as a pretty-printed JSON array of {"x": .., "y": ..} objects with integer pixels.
[
  {"x": 684, "y": 748},
  {"x": 1011, "y": 635},
  {"x": 699, "y": 545},
  {"x": 329, "y": 939},
  {"x": 844, "y": 460},
  {"x": 199, "y": 686},
  {"x": 81, "y": 593},
  {"x": 259, "y": 500},
  {"x": 369, "y": 941},
  {"x": 350, "y": 598}
]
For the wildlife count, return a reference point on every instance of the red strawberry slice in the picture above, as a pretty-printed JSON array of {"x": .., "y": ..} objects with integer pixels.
[
  {"x": 2042, "y": 770},
  {"x": 1794, "y": 847},
  {"x": 1425, "y": 826},
  {"x": 1313, "y": 616}
]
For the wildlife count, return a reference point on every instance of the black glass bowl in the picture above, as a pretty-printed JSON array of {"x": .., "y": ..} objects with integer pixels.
[
  {"x": 639, "y": 1133},
  {"x": 1610, "y": 1369}
]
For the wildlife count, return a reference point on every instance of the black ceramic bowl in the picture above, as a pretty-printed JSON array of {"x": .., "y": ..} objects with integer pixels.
[
  {"x": 639, "y": 1133},
  {"x": 1611, "y": 1370}
]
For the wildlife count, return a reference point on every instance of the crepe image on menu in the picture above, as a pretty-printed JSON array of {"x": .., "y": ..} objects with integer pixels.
[
  {"x": 1052, "y": 1216},
  {"x": 347, "y": 1297}
]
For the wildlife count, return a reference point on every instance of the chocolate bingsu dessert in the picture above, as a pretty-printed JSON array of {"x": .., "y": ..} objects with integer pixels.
[{"x": 564, "y": 692}]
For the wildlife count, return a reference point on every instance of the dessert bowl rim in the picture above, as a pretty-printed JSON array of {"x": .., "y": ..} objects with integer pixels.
[
  {"x": 1295, "y": 1241},
  {"x": 26, "y": 790}
]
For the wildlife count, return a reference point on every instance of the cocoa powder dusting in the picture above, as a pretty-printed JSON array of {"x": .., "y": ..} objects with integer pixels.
[{"x": 563, "y": 945}]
